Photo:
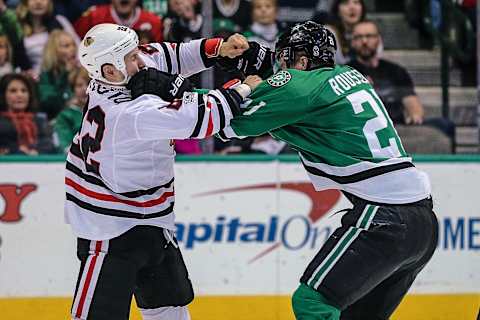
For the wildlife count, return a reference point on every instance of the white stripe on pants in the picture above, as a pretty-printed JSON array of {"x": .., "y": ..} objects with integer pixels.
[{"x": 88, "y": 282}]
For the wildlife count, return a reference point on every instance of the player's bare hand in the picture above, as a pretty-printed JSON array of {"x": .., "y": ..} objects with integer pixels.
[
  {"x": 234, "y": 46},
  {"x": 252, "y": 81}
]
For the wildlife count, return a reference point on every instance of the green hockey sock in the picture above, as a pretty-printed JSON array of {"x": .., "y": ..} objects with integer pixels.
[{"x": 309, "y": 304}]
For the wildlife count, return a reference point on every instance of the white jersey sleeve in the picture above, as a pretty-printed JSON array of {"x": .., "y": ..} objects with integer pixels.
[
  {"x": 195, "y": 116},
  {"x": 181, "y": 58}
]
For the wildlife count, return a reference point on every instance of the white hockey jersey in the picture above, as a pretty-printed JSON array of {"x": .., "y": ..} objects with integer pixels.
[{"x": 119, "y": 171}]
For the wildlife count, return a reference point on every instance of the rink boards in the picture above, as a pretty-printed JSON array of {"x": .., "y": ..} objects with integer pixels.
[{"x": 247, "y": 230}]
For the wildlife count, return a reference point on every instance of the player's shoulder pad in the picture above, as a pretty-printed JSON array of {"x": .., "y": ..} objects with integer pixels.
[{"x": 280, "y": 78}]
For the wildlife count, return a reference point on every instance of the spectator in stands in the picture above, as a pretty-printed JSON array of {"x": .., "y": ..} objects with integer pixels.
[
  {"x": 59, "y": 59},
  {"x": 18, "y": 119},
  {"x": 158, "y": 7},
  {"x": 391, "y": 81},
  {"x": 69, "y": 119},
  {"x": 10, "y": 27},
  {"x": 37, "y": 20},
  {"x": 234, "y": 15},
  {"x": 183, "y": 23},
  {"x": 72, "y": 10},
  {"x": 469, "y": 64},
  {"x": 5, "y": 56},
  {"x": 8, "y": 137},
  {"x": 122, "y": 12},
  {"x": 265, "y": 27},
  {"x": 344, "y": 15}
]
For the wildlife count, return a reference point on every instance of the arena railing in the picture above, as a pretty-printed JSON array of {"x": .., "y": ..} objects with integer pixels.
[{"x": 455, "y": 34}]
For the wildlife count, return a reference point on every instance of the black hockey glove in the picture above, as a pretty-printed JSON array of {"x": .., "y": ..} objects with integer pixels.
[
  {"x": 152, "y": 81},
  {"x": 257, "y": 60}
]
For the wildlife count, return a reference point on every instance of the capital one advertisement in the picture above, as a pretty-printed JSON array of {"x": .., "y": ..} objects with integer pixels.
[{"x": 245, "y": 228}]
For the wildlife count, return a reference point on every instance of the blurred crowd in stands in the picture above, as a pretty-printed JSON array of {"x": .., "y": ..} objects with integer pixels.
[{"x": 42, "y": 87}]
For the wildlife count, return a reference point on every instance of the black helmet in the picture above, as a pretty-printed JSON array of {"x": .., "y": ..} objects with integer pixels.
[{"x": 314, "y": 39}]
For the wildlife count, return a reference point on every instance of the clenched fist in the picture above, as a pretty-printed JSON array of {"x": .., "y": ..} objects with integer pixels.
[
  {"x": 235, "y": 46},
  {"x": 256, "y": 60}
]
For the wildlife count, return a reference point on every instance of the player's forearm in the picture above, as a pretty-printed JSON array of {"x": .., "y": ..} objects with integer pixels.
[
  {"x": 183, "y": 113},
  {"x": 195, "y": 56},
  {"x": 194, "y": 116}
]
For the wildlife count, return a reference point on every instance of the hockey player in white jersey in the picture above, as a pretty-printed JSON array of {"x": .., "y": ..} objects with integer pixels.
[{"x": 119, "y": 172}]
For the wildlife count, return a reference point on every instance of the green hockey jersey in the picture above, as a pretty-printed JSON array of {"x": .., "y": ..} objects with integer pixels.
[{"x": 338, "y": 124}]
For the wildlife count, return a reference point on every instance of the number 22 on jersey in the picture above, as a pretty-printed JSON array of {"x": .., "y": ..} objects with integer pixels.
[{"x": 90, "y": 142}]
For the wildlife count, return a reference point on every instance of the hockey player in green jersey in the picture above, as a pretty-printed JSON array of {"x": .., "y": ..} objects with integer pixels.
[{"x": 333, "y": 117}]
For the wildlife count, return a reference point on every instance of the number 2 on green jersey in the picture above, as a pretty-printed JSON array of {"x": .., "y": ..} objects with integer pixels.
[{"x": 374, "y": 125}]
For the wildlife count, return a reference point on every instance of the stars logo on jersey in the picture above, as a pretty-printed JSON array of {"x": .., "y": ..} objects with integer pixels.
[{"x": 279, "y": 79}]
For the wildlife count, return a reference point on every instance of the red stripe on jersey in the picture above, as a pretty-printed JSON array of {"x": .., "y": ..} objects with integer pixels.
[
  {"x": 88, "y": 279},
  {"x": 109, "y": 197},
  {"x": 210, "y": 120},
  {"x": 231, "y": 84},
  {"x": 212, "y": 47}
]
